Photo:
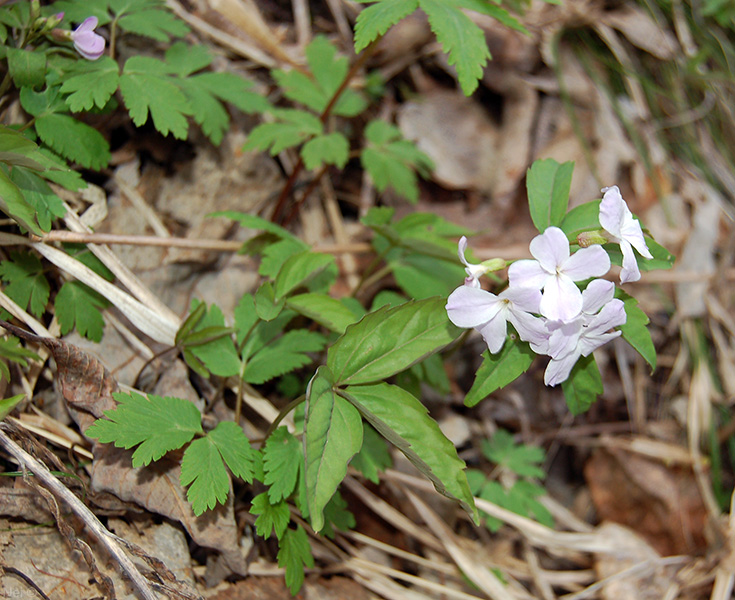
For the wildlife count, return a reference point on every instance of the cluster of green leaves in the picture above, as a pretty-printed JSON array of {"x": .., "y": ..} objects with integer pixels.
[
  {"x": 548, "y": 184},
  {"x": 515, "y": 488},
  {"x": 322, "y": 91},
  {"x": 460, "y": 37},
  {"x": 75, "y": 304}
]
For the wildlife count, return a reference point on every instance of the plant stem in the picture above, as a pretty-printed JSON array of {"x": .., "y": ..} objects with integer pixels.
[
  {"x": 356, "y": 66},
  {"x": 282, "y": 415}
]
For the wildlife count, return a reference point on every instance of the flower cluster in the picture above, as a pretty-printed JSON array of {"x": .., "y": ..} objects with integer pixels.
[{"x": 543, "y": 302}]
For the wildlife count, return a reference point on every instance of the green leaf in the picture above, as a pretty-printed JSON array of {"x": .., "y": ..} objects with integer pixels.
[
  {"x": 294, "y": 553},
  {"x": 374, "y": 455},
  {"x": 634, "y": 329},
  {"x": 37, "y": 193},
  {"x": 255, "y": 222},
  {"x": 245, "y": 317},
  {"x": 332, "y": 436},
  {"x": 496, "y": 12},
  {"x": 10, "y": 349},
  {"x": 234, "y": 89},
  {"x": 328, "y": 69},
  {"x": 183, "y": 59},
  {"x": 329, "y": 149},
  {"x": 292, "y": 127},
  {"x": 13, "y": 204},
  {"x": 266, "y": 306},
  {"x": 390, "y": 340},
  {"x": 91, "y": 83},
  {"x": 337, "y": 516},
  {"x": 79, "y": 306},
  {"x": 375, "y": 20},
  {"x": 583, "y": 385},
  {"x": 219, "y": 355},
  {"x": 283, "y": 355},
  {"x": 8, "y": 404},
  {"x": 422, "y": 276},
  {"x": 202, "y": 467},
  {"x": 74, "y": 140},
  {"x": 393, "y": 161},
  {"x": 271, "y": 517},
  {"x": 207, "y": 111},
  {"x": 461, "y": 39},
  {"x": 27, "y": 67},
  {"x": 519, "y": 458},
  {"x": 282, "y": 462},
  {"x": 27, "y": 284},
  {"x": 298, "y": 269},
  {"x": 323, "y": 309},
  {"x": 156, "y": 425},
  {"x": 146, "y": 87},
  {"x": 548, "y": 184},
  {"x": 498, "y": 370},
  {"x": 159, "y": 25},
  {"x": 234, "y": 448},
  {"x": 584, "y": 217},
  {"x": 405, "y": 422}
]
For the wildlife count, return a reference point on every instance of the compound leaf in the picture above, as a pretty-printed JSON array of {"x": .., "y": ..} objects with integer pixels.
[
  {"x": 519, "y": 458},
  {"x": 79, "y": 306},
  {"x": 27, "y": 285},
  {"x": 282, "y": 462},
  {"x": 292, "y": 127},
  {"x": 294, "y": 554},
  {"x": 375, "y": 20},
  {"x": 327, "y": 149},
  {"x": 156, "y": 24},
  {"x": 91, "y": 83},
  {"x": 234, "y": 448},
  {"x": 271, "y": 517},
  {"x": 156, "y": 425},
  {"x": 202, "y": 467}
]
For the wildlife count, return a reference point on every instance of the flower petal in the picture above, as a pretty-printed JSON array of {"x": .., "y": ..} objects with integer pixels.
[
  {"x": 612, "y": 210},
  {"x": 598, "y": 293},
  {"x": 586, "y": 263},
  {"x": 524, "y": 298},
  {"x": 588, "y": 345},
  {"x": 612, "y": 315},
  {"x": 563, "y": 337},
  {"x": 89, "y": 24},
  {"x": 527, "y": 273},
  {"x": 550, "y": 249},
  {"x": 471, "y": 307},
  {"x": 530, "y": 329},
  {"x": 494, "y": 332},
  {"x": 630, "y": 271},
  {"x": 562, "y": 300},
  {"x": 632, "y": 232},
  {"x": 558, "y": 370}
]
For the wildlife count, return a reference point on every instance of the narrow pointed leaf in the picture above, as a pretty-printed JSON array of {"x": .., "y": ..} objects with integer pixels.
[
  {"x": 405, "y": 422},
  {"x": 498, "y": 370}
]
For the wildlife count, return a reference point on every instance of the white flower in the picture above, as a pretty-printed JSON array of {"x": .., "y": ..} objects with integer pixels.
[
  {"x": 473, "y": 271},
  {"x": 617, "y": 220},
  {"x": 555, "y": 271},
  {"x": 489, "y": 314}
]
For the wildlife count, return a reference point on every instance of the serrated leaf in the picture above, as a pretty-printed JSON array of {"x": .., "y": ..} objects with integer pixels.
[
  {"x": 234, "y": 89},
  {"x": 74, "y": 140},
  {"x": 389, "y": 341},
  {"x": 78, "y": 306},
  {"x": 265, "y": 305},
  {"x": 375, "y": 20},
  {"x": 204, "y": 472},
  {"x": 337, "y": 516},
  {"x": 329, "y": 149},
  {"x": 282, "y": 462},
  {"x": 583, "y": 385},
  {"x": 294, "y": 553},
  {"x": 374, "y": 455},
  {"x": 634, "y": 329},
  {"x": 207, "y": 111},
  {"x": 493, "y": 10},
  {"x": 156, "y": 24},
  {"x": 298, "y": 269},
  {"x": 519, "y": 458},
  {"x": 548, "y": 184},
  {"x": 323, "y": 309},
  {"x": 301, "y": 88},
  {"x": 26, "y": 67},
  {"x": 156, "y": 425},
  {"x": 271, "y": 517},
  {"x": 147, "y": 88},
  {"x": 13, "y": 204},
  {"x": 219, "y": 355},
  {"x": 328, "y": 68},
  {"x": 405, "y": 422},
  {"x": 234, "y": 448},
  {"x": 283, "y": 355},
  {"x": 38, "y": 194},
  {"x": 91, "y": 83},
  {"x": 27, "y": 285},
  {"x": 498, "y": 370},
  {"x": 184, "y": 59},
  {"x": 292, "y": 128},
  {"x": 332, "y": 436},
  {"x": 461, "y": 39},
  {"x": 10, "y": 349}
]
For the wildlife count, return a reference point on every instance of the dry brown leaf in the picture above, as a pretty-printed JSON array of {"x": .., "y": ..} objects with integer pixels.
[
  {"x": 642, "y": 31},
  {"x": 660, "y": 502}
]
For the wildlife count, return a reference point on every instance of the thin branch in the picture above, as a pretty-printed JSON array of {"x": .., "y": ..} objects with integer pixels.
[{"x": 90, "y": 520}]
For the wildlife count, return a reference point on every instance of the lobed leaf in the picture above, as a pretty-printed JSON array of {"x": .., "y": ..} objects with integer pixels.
[
  {"x": 26, "y": 283},
  {"x": 156, "y": 425},
  {"x": 282, "y": 462},
  {"x": 378, "y": 18},
  {"x": 218, "y": 354},
  {"x": 234, "y": 448},
  {"x": 332, "y": 436},
  {"x": 271, "y": 517},
  {"x": 204, "y": 472},
  {"x": 77, "y": 305},
  {"x": 327, "y": 149},
  {"x": 294, "y": 553},
  {"x": 14, "y": 204},
  {"x": 292, "y": 128},
  {"x": 283, "y": 355},
  {"x": 521, "y": 459},
  {"x": 390, "y": 340},
  {"x": 159, "y": 25},
  {"x": 91, "y": 83},
  {"x": 404, "y": 421}
]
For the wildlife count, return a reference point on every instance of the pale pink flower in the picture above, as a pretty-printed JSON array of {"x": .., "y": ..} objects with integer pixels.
[{"x": 88, "y": 43}]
